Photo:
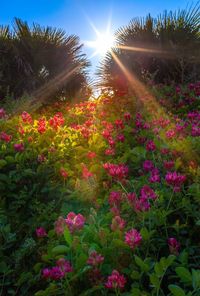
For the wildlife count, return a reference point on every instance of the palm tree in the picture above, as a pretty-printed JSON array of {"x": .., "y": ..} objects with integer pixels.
[
  {"x": 42, "y": 58},
  {"x": 166, "y": 47}
]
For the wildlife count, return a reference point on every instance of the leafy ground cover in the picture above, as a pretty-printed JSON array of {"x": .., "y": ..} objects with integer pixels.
[{"x": 102, "y": 197}]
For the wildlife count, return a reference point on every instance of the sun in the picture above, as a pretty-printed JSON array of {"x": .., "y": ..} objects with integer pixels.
[{"x": 103, "y": 43}]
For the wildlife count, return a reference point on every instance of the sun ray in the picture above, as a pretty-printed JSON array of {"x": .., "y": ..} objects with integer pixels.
[{"x": 153, "y": 107}]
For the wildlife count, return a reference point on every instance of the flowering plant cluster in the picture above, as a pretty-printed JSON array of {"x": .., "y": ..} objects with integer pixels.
[{"x": 100, "y": 198}]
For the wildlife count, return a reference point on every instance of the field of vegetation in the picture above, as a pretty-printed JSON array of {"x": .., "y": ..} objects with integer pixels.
[{"x": 101, "y": 196}]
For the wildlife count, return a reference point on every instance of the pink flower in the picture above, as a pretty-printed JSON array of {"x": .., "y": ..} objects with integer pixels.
[
  {"x": 115, "y": 211},
  {"x": 110, "y": 151},
  {"x": 155, "y": 177},
  {"x": 121, "y": 138},
  {"x": 132, "y": 197},
  {"x": 41, "y": 232},
  {"x": 119, "y": 171},
  {"x": 150, "y": 146},
  {"x": 148, "y": 165},
  {"x": 175, "y": 180},
  {"x": 133, "y": 238},
  {"x": 95, "y": 259},
  {"x": 119, "y": 124},
  {"x": 59, "y": 271},
  {"x": 56, "y": 273},
  {"x": 174, "y": 245},
  {"x": 41, "y": 158},
  {"x": 142, "y": 204},
  {"x": 115, "y": 198},
  {"x": 5, "y": 137},
  {"x": 111, "y": 142},
  {"x": 74, "y": 222},
  {"x": 19, "y": 147},
  {"x": 46, "y": 273},
  {"x": 115, "y": 281},
  {"x": 64, "y": 265},
  {"x": 117, "y": 223},
  {"x": 148, "y": 193},
  {"x": 170, "y": 134}
]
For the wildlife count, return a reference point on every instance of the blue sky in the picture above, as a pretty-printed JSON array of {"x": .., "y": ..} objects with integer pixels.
[{"x": 74, "y": 16}]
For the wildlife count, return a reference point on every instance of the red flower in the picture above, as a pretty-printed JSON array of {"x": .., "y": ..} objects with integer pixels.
[{"x": 63, "y": 173}]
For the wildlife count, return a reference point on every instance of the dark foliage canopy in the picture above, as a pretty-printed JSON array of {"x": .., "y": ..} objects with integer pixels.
[
  {"x": 165, "y": 49},
  {"x": 42, "y": 61}
]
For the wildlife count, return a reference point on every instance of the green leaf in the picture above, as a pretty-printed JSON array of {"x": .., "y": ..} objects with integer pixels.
[
  {"x": 60, "y": 249},
  {"x": 176, "y": 290},
  {"x": 145, "y": 233},
  {"x": 159, "y": 269},
  {"x": 155, "y": 281},
  {"x": 135, "y": 275},
  {"x": 184, "y": 275},
  {"x": 67, "y": 236},
  {"x": 144, "y": 266},
  {"x": 195, "y": 278},
  {"x": 2, "y": 163}
]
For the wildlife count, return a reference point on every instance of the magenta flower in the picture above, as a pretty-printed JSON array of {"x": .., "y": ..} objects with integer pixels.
[
  {"x": 59, "y": 271},
  {"x": 46, "y": 273},
  {"x": 148, "y": 165},
  {"x": 74, "y": 222},
  {"x": 174, "y": 245},
  {"x": 147, "y": 192},
  {"x": 115, "y": 281},
  {"x": 155, "y": 177},
  {"x": 150, "y": 146},
  {"x": 121, "y": 138},
  {"x": 64, "y": 265},
  {"x": 175, "y": 180},
  {"x": 56, "y": 273},
  {"x": 142, "y": 204},
  {"x": 19, "y": 147},
  {"x": 95, "y": 259},
  {"x": 41, "y": 232},
  {"x": 133, "y": 238}
]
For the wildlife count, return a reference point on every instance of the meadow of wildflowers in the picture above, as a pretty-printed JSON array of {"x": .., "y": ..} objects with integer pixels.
[{"x": 102, "y": 198}]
